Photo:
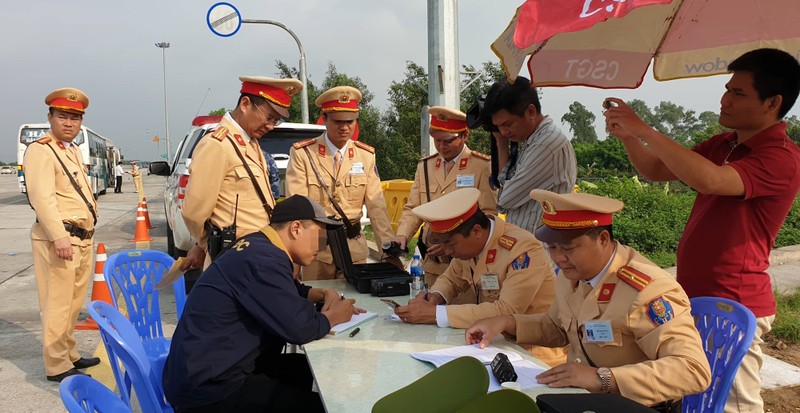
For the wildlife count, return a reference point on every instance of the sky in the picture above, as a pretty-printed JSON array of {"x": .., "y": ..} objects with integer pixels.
[{"x": 107, "y": 49}]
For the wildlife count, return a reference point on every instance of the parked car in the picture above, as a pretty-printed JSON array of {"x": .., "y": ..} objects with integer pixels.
[
  {"x": 9, "y": 170},
  {"x": 277, "y": 142}
]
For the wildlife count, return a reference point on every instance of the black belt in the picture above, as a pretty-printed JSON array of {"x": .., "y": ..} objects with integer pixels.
[
  {"x": 77, "y": 231},
  {"x": 669, "y": 406},
  {"x": 356, "y": 230}
]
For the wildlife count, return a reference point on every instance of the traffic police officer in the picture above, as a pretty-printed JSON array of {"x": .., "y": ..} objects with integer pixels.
[
  {"x": 61, "y": 238},
  {"x": 628, "y": 321},
  {"x": 136, "y": 175},
  {"x": 229, "y": 177},
  {"x": 333, "y": 168},
  {"x": 504, "y": 268},
  {"x": 453, "y": 166}
]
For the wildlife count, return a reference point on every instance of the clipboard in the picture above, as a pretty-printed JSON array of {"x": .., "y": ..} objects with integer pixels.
[{"x": 173, "y": 274}]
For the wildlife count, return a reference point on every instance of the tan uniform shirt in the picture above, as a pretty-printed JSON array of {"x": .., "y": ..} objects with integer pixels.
[
  {"x": 470, "y": 170},
  {"x": 655, "y": 354},
  {"x": 45, "y": 178},
  {"x": 357, "y": 183},
  {"x": 217, "y": 176}
]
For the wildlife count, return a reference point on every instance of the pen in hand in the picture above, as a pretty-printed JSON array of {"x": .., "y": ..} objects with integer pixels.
[{"x": 355, "y": 331}]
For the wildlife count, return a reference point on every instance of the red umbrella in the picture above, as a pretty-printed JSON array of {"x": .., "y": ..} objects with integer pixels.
[{"x": 613, "y": 47}]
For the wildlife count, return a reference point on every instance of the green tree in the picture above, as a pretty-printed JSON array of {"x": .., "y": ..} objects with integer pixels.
[
  {"x": 793, "y": 129},
  {"x": 488, "y": 73},
  {"x": 581, "y": 123},
  {"x": 295, "y": 110},
  {"x": 402, "y": 120},
  {"x": 218, "y": 112}
]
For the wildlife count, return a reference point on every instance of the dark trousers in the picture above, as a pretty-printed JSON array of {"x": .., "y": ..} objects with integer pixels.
[
  {"x": 118, "y": 186},
  {"x": 280, "y": 383}
]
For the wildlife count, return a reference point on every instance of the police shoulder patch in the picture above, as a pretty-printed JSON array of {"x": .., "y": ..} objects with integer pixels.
[
  {"x": 481, "y": 156},
  {"x": 633, "y": 277},
  {"x": 364, "y": 146},
  {"x": 44, "y": 140},
  {"x": 660, "y": 311},
  {"x": 428, "y": 157},
  {"x": 303, "y": 144},
  {"x": 220, "y": 133},
  {"x": 507, "y": 242},
  {"x": 521, "y": 262}
]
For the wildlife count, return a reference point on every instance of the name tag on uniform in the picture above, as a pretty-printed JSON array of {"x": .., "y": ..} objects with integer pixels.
[
  {"x": 598, "y": 331},
  {"x": 490, "y": 282},
  {"x": 357, "y": 169},
  {"x": 465, "y": 181}
]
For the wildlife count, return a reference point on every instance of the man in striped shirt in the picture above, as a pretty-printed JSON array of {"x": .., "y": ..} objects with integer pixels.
[{"x": 544, "y": 159}]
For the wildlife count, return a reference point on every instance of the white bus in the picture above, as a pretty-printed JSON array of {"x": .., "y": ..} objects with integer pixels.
[{"x": 99, "y": 155}]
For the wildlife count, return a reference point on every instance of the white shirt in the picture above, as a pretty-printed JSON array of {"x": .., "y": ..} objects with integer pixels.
[
  {"x": 239, "y": 129},
  {"x": 441, "y": 310},
  {"x": 118, "y": 170},
  {"x": 332, "y": 148},
  {"x": 596, "y": 279}
]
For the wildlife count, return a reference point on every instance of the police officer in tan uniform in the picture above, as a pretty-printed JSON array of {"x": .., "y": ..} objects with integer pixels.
[
  {"x": 628, "y": 321},
  {"x": 136, "y": 175},
  {"x": 454, "y": 166},
  {"x": 228, "y": 177},
  {"x": 334, "y": 163},
  {"x": 505, "y": 267},
  {"x": 61, "y": 238}
]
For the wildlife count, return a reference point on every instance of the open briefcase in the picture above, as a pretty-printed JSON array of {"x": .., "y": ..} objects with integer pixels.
[{"x": 379, "y": 278}]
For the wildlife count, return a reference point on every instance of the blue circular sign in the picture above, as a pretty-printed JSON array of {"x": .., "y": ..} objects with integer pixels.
[{"x": 224, "y": 19}]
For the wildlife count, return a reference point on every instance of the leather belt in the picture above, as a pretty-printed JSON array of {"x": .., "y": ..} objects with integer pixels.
[
  {"x": 669, "y": 406},
  {"x": 77, "y": 231},
  {"x": 356, "y": 230}
]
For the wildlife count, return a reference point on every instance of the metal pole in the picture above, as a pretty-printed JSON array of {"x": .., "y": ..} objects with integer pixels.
[
  {"x": 163, "y": 46},
  {"x": 303, "y": 76}
]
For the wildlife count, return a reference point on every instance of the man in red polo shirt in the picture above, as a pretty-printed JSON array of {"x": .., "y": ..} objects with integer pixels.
[{"x": 746, "y": 181}]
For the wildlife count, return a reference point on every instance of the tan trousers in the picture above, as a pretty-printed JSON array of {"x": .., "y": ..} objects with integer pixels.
[
  {"x": 137, "y": 183},
  {"x": 745, "y": 395},
  {"x": 61, "y": 286}
]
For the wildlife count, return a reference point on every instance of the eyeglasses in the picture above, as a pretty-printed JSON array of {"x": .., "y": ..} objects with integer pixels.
[{"x": 269, "y": 118}]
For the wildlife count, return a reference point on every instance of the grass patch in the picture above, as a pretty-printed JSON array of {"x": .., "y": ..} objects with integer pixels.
[{"x": 787, "y": 322}]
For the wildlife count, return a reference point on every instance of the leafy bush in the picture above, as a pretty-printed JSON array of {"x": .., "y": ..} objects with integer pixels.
[
  {"x": 653, "y": 219},
  {"x": 790, "y": 231},
  {"x": 787, "y": 324}
]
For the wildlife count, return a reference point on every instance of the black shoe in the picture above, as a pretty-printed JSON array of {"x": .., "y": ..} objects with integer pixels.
[
  {"x": 83, "y": 363},
  {"x": 64, "y": 375}
]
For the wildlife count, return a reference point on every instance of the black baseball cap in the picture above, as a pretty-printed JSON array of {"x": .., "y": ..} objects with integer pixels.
[{"x": 299, "y": 208}]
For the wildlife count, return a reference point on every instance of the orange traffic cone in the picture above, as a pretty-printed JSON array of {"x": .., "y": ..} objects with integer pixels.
[
  {"x": 99, "y": 287},
  {"x": 146, "y": 214},
  {"x": 141, "y": 234}
]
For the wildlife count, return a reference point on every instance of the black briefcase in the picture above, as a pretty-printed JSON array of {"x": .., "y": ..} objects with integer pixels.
[
  {"x": 363, "y": 275},
  {"x": 591, "y": 402}
]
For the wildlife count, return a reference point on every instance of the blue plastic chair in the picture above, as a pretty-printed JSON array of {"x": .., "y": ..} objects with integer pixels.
[
  {"x": 726, "y": 331},
  {"x": 83, "y": 394},
  {"x": 123, "y": 345},
  {"x": 134, "y": 274}
]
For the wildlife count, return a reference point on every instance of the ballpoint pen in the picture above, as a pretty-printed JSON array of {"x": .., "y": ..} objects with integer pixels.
[{"x": 355, "y": 331}]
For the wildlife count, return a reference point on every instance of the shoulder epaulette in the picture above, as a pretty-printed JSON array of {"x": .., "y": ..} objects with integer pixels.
[
  {"x": 428, "y": 157},
  {"x": 303, "y": 144},
  {"x": 633, "y": 277},
  {"x": 481, "y": 156},
  {"x": 364, "y": 146},
  {"x": 220, "y": 133},
  {"x": 44, "y": 140},
  {"x": 507, "y": 242}
]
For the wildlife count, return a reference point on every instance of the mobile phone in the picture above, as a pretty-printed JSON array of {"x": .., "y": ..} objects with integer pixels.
[
  {"x": 607, "y": 104},
  {"x": 391, "y": 303}
]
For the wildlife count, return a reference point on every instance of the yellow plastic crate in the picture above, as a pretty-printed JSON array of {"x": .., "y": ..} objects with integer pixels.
[{"x": 395, "y": 192}]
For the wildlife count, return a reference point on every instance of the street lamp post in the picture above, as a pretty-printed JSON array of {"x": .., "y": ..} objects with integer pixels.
[
  {"x": 163, "y": 46},
  {"x": 303, "y": 77}
]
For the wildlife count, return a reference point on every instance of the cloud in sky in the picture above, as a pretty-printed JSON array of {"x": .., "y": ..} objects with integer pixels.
[{"x": 107, "y": 49}]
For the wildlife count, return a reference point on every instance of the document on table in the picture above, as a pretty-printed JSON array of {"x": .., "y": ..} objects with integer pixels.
[
  {"x": 526, "y": 370},
  {"x": 173, "y": 274},
  {"x": 356, "y": 320}
]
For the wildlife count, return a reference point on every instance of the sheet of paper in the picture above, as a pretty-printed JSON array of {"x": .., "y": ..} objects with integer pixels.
[
  {"x": 526, "y": 375},
  {"x": 173, "y": 274},
  {"x": 356, "y": 320},
  {"x": 485, "y": 356}
]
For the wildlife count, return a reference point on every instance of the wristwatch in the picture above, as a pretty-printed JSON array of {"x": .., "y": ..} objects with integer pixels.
[{"x": 605, "y": 379}]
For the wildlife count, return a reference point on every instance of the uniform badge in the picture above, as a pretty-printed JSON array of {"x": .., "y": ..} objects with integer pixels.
[
  {"x": 507, "y": 242},
  {"x": 660, "y": 311},
  {"x": 438, "y": 163},
  {"x": 321, "y": 150},
  {"x": 606, "y": 291},
  {"x": 548, "y": 208},
  {"x": 61, "y": 145},
  {"x": 350, "y": 152},
  {"x": 239, "y": 139},
  {"x": 344, "y": 98},
  {"x": 463, "y": 163},
  {"x": 241, "y": 245},
  {"x": 490, "y": 256},
  {"x": 521, "y": 262}
]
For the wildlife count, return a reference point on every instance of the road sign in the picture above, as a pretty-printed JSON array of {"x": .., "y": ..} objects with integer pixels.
[
  {"x": 224, "y": 19},
  {"x": 163, "y": 156}
]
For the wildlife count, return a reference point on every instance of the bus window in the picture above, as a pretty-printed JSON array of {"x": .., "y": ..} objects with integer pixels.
[{"x": 30, "y": 135}]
